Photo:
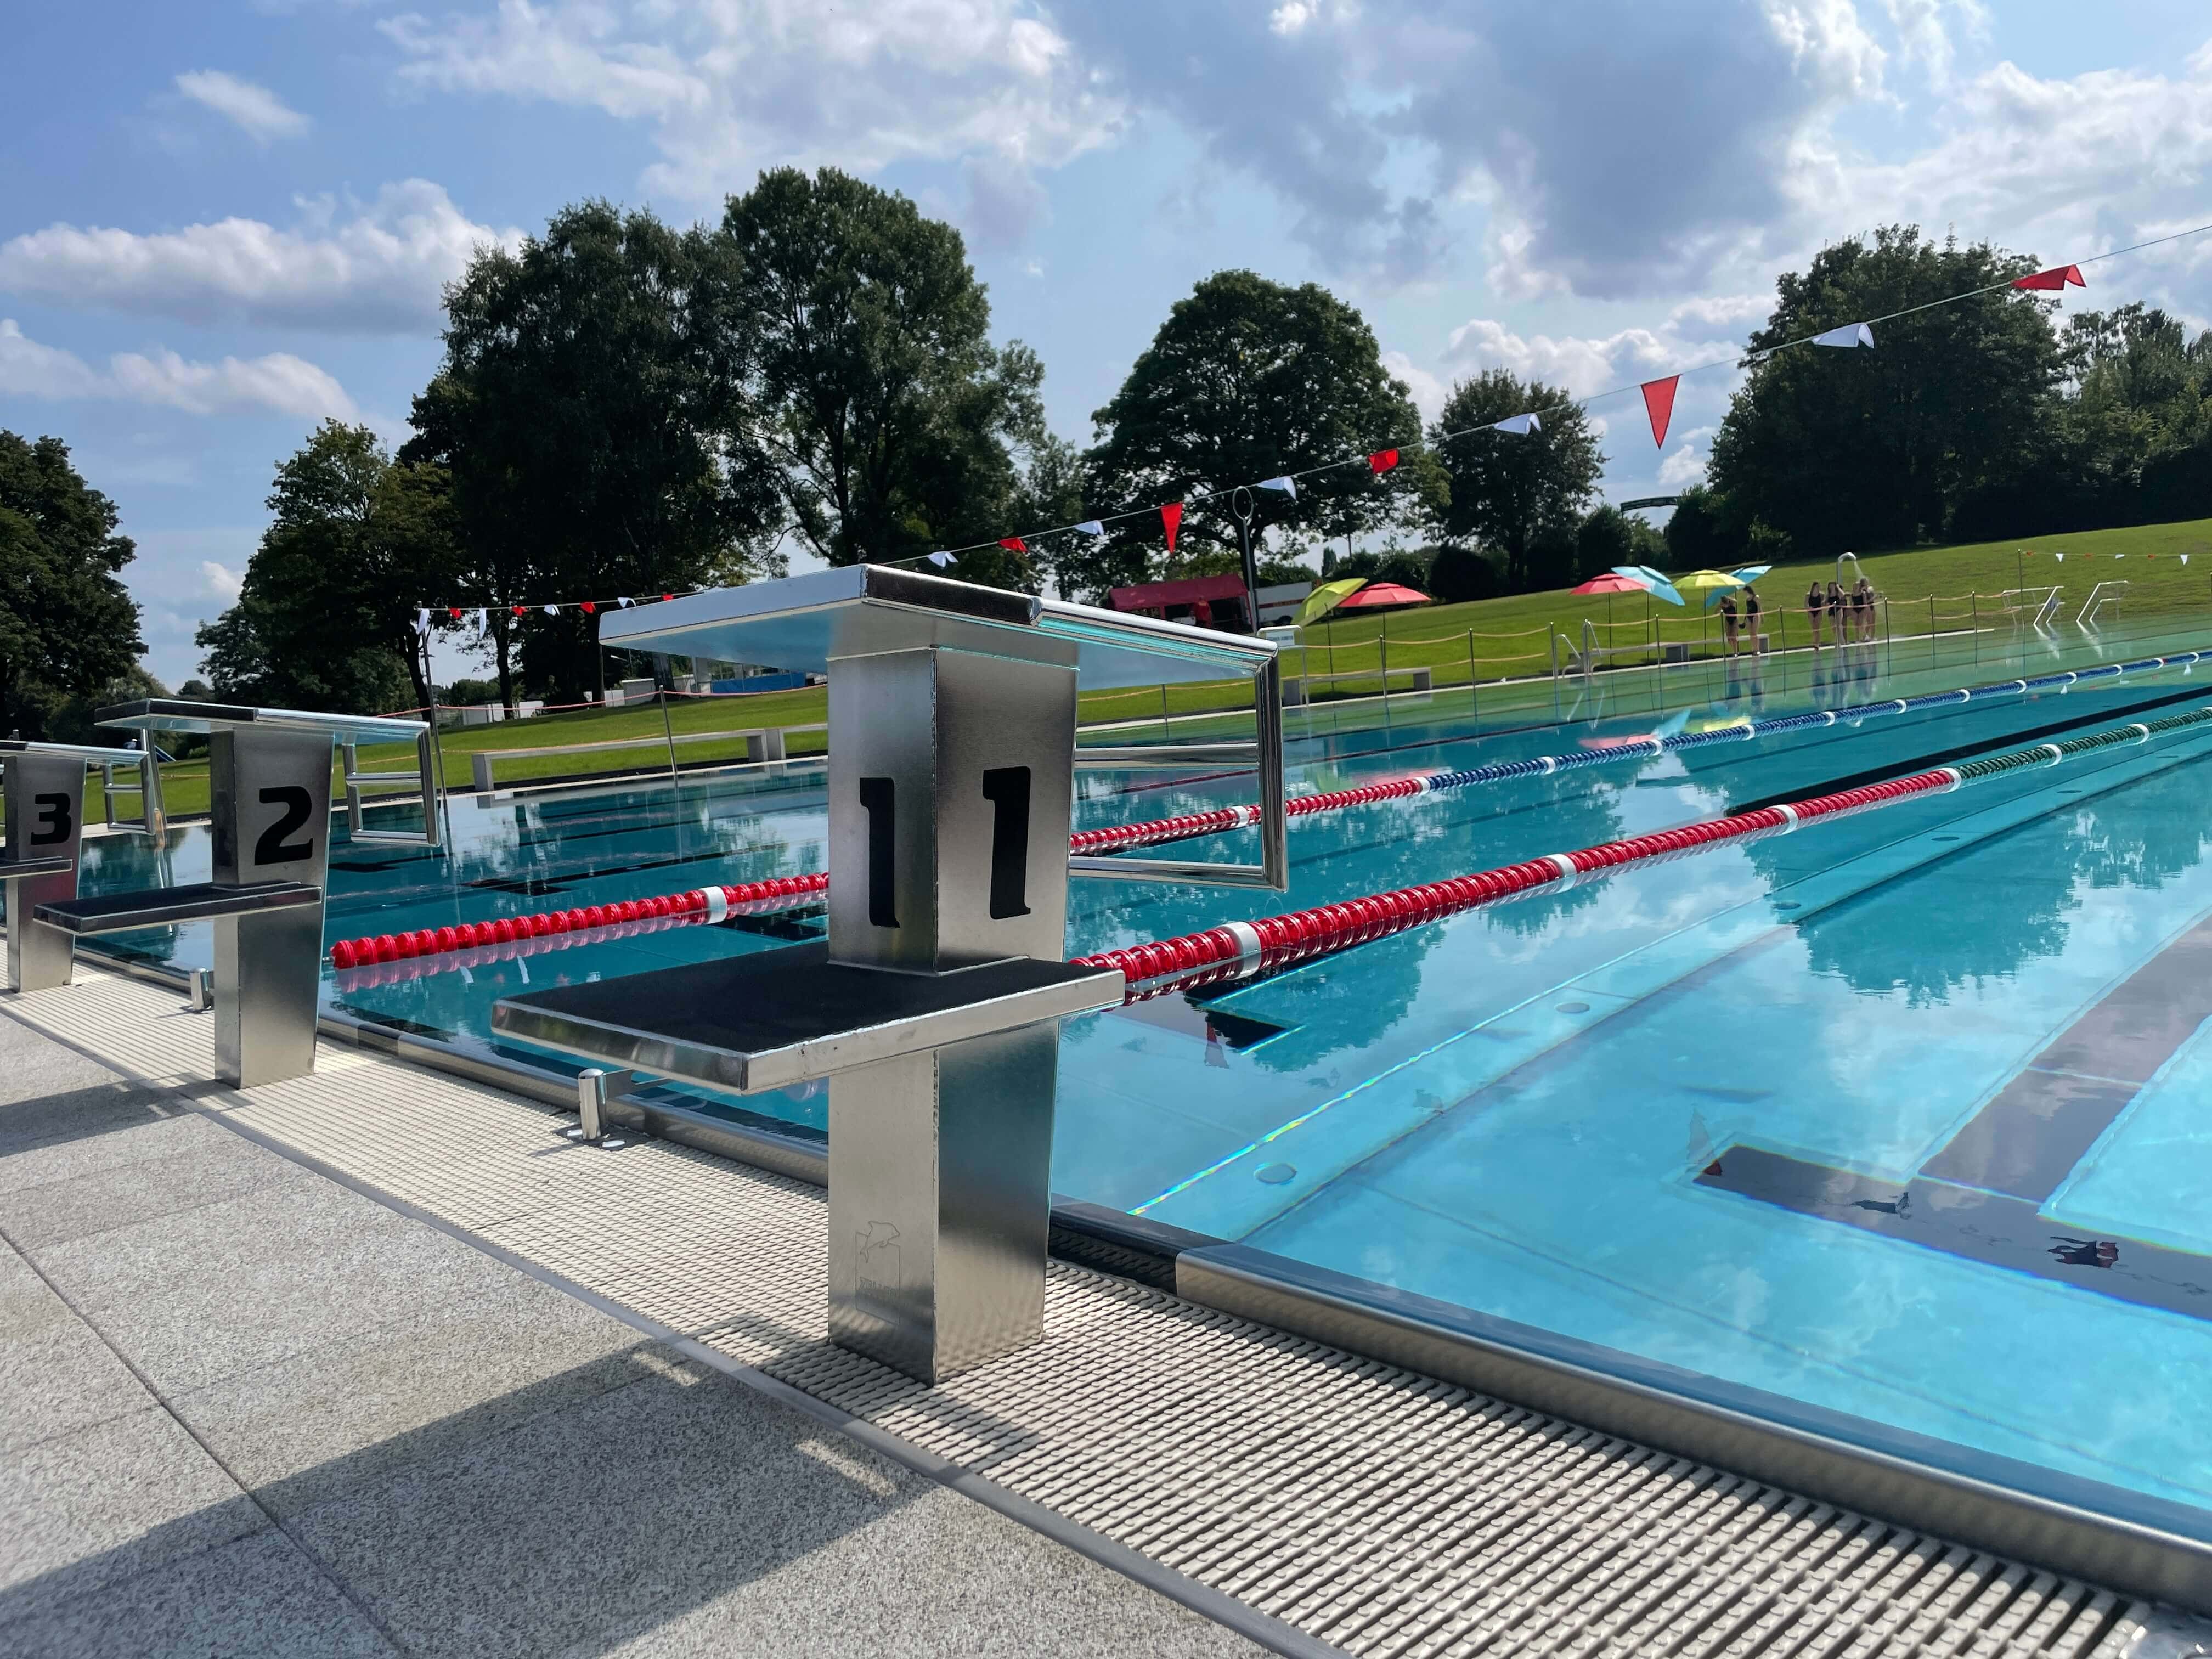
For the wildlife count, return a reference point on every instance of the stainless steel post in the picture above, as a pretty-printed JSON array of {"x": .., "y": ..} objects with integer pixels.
[
  {"x": 45, "y": 795},
  {"x": 270, "y": 814},
  {"x": 952, "y": 779}
]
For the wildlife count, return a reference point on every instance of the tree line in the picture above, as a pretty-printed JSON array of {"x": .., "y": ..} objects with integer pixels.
[{"x": 623, "y": 407}]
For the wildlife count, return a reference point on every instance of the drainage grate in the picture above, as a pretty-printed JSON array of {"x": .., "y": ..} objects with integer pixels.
[{"x": 1365, "y": 1505}]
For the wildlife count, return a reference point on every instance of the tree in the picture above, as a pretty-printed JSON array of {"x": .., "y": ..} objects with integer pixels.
[
  {"x": 1460, "y": 573},
  {"x": 67, "y": 625},
  {"x": 325, "y": 616},
  {"x": 1507, "y": 488},
  {"x": 1608, "y": 537},
  {"x": 1702, "y": 535},
  {"x": 590, "y": 411},
  {"x": 892, "y": 422},
  {"x": 1858, "y": 449},
  {"x": 1247, "y": 380}
]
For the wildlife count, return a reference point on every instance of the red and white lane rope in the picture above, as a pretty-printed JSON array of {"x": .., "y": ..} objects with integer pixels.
[
  {"x": 699, "y": 904},
  {"x": 1243, "y": 949}
]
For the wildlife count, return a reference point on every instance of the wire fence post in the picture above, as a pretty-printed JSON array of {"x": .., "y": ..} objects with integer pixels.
[
  {"x": 1470, "y": 660},
  {"x": 1164, "y": 731}
]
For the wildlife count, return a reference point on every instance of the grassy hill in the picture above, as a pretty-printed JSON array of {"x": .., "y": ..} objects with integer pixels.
[{"x": 1928, "y": 590}]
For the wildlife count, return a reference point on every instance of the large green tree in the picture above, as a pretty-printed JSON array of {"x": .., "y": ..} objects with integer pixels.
[
  {"x": 67, "y": 626},
  {"x": 589, "y": 411},
  {"x": 1508, "y": 489},
  {"x": 1866, "y": 449},
  {"x": 1247, "y": 380},
  {"x": 893, "y": 423},
  {"x": 326, "y": 617}
]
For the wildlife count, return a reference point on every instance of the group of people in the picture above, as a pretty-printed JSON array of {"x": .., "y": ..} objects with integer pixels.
[{"x": 1850, "y": 613}]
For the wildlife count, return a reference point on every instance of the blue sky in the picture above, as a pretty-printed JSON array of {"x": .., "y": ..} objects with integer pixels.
[{"x": 220, "y": 222}]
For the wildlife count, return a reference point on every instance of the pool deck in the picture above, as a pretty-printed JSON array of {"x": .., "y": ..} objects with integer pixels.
[{"x": 381, "y": 1361}]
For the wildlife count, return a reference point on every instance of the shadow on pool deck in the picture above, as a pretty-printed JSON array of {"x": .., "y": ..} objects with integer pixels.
[{"x": 254, "y": 1411}]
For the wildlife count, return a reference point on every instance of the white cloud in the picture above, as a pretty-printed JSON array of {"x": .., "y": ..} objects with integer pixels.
[
  {"x": 260, "y": 113},
  {"x": 1584, "y": 365},
  {"x": 731, "y": 88},
  {"x": 223, "y": 582},
  {"x": 378, "y": 271},
  {"x": 278, "y": 381},
  {"x": 1686, "y": 465},
  {"x": 1429, "y": 390}
]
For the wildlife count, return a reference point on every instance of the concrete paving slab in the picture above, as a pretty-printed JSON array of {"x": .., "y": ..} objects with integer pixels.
[
  {"x": 934, "y": 1579},
  {"x": 84, "y": 1510},
  {"x": 419, "y": 1391},
  {"x": 209, "y": 1164},
  {"x": 56, "y": 1375},
  {"x": 98, "y": 1106},
  {"x": 258, "y": 1597},
  {"x": 169, "y": 1131},
  {"x": 688, "y": 1495},
  {"x": 243, "y": 1283},
  {"x": 33, "y": 1067}
]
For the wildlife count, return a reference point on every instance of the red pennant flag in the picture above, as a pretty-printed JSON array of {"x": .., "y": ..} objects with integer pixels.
[
  {"x": 1382, "y": 460},
  {"x": 454, "y": 611},
  {"x": 1171, "y": 516},
  {"x": 667, "y": 596},
  {"x": 1659, "y": 404},
  {"x": 1013, "y": 544},
  {"x": 516, "y": 609},
  {"x": 2050, "y": 281},
  {"x": 588, "y": 607}
]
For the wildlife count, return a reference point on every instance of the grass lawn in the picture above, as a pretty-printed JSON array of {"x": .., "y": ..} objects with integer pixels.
[{"x": 1487, "y": 641}]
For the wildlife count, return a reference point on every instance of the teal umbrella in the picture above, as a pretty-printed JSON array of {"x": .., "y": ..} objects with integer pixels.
[{"x": 1649, "y": 581}]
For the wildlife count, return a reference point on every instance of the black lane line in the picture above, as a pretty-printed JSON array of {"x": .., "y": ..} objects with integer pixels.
[
  {"x": 1979, "y": 1196},
  {"x": 1980, "y": 1226},
  {"x": 2033, "y": 1131}
]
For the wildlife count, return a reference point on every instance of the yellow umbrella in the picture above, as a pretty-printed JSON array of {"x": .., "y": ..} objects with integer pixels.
[
  {"x": 1711, "y": 583},
  {"x": 1326, "y": 598}
]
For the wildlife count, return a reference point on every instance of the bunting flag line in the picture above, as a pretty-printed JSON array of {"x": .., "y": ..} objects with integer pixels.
[
  {"x": 1659, "y": 404},
  {"x": 1171, "y": 516},
  {"x": 1013, "y": 544}
]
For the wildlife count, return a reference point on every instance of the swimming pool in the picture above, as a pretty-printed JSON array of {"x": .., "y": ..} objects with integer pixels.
[{"x": 1899, "y": 1118}]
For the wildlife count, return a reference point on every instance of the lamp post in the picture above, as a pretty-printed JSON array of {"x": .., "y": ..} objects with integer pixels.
[{"x": 1240, "y": 505}]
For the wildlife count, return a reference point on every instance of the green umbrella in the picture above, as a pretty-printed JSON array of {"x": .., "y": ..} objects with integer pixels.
[{"x": 1326, "y": 598}]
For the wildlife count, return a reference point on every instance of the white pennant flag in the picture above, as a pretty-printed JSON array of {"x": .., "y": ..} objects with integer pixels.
[
  {"x": 423, "y": 620},
  {"x": 941, "y": 560},
  {"x": 1090, "y": 527},
  {"x": 1520, "y": 424},
  {"x": 1851, "y": 334},
  {"x": 625, "y": 603},
  {"x": 2061, "y": 558},
  {"x": 2184, "y": 558},
  {"x": 1287, "y": 485},
  {"x": 552, "y": 609},
  {"x": 483, "y": 622}
]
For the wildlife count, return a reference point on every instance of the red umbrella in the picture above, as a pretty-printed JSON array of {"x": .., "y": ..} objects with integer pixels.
[
  {"x": 1382, "y": 596},
  {"x": 1611, "y": 583}
]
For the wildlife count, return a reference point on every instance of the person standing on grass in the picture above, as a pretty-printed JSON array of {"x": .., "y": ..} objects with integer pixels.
[
  {"x": 1814, "y": 601},
  {"x": 1727, "y": 621}
]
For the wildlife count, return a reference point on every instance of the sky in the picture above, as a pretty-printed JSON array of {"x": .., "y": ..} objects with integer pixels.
[{"x": 221, "y": 223}]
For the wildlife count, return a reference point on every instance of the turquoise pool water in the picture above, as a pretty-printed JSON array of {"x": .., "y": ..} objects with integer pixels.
[{"x": 1902, "y": 1117}]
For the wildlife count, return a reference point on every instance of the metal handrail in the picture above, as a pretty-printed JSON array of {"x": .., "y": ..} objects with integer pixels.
[
  {"x": 152, "y": 819},
  {"x": 1273, "y": 872},
  {"x": 424, "y": 778},
  {"x": 2086, "y": 615}
]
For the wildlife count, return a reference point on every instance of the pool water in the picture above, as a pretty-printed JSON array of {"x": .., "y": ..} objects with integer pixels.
[{"x": 1900, "y": 1117}]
